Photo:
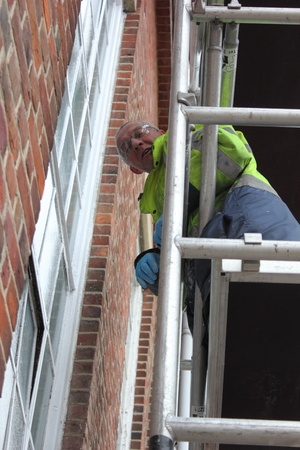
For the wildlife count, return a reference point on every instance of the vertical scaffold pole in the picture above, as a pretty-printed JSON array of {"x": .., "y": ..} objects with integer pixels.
[
  {"x": 167, "y": 350},
  {"x": 230, "y": 54},
  {"x": 211, "y": 96}
]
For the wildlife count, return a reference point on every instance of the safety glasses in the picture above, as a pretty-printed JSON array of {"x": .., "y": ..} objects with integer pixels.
[{"x": 137, "y": 133}]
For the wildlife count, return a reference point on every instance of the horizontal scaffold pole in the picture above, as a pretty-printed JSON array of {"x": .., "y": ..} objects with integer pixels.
[
  {"x": 205, "y": 248},
  {"x": 236, "y": 431},
  {"x": 243, "y": 116},
  {"x": 276, "y": 16}
]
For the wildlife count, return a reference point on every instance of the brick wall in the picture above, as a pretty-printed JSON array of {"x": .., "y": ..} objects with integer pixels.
[
  {"x": 94, "y": 401},
  {"x": 164, "y": 59},
  {"x": 142, "y": 401},
  {"x": 36, "y": 40}
]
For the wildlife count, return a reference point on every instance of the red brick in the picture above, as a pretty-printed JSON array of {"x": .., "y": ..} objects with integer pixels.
[
  {"x": 5, "y": 328},
  {"x": 46, "y": 110},
  {"x": 47, "y": 14},
  {"x": 5, "y": 269},
  {"x": 24, "y": 189},
  {"x": 5, "y": 26},
  {"x": 24, "y": 246},
  {"x": 3, "y": 132},
  {"x": 12, "y": 304},
  {"x": 22, "y": 125},
  {"x": 36, "y": 154},
  {"x": 87, "y": 339},
  {"x": 2, "y": 365},
  {"x": 2, "y": 190},
  {"x": 35, "y": 43},
  {"x": 55, "y": 69},
  {"x": 35, "y": 199},
  {"x": 44, "y": 47},
  {"x": 22, "y": 41},
  {"x": 45, "y": 151},
  {"x": 72, "y": 442},
  {"x": 13, "y": 132},
  {"x": 81, "y": 382},
  {"x": 11, "y": 180}
]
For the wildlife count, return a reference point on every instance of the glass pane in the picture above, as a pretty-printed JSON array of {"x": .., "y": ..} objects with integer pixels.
[
  {"x": 102, "y": 47},
  {"x": 17, "y": 425},
  {"x": 58, "y": 308},
  {"x": 42, "y": 401},
  {"x": 88, "y": 34},
  {"x": 5, "y": 402},
  {"x": 43, "y": 216},
  {"x": 84, "y": 152},
  {"x": 78, "y": 100},
  {"x": 66, "y": 162},
  {"x": 96, "y": 7},
  {"x": 73, "y": 215},
  {"x": 109, "y": 8},
  {"x": 94, "y": 96},
  {"x": 63, "y": 119},
  {"x": 26, "y": 356},
  {"x": 50, "y": 256},
  {"x": 30, "y": 446},
  {"x": 75, "y": 60},
  {"x": 17, "y": 336}
]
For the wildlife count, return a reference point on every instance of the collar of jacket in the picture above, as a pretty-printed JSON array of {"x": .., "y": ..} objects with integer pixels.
[{"x": 159, "y": 150}]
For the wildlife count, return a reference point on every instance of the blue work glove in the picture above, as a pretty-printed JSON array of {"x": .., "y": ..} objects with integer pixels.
[
  {"x": 158, "y": 231},
  {"x": 147, "y": 269}
]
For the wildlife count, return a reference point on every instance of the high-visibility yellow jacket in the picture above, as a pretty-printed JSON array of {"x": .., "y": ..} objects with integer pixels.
[{"x": 236, "y": 166}]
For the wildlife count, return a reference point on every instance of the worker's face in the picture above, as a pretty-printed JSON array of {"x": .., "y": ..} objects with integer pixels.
[{"x": 134, "y": 142}]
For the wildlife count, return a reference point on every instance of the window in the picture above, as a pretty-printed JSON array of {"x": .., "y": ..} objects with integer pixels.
[{"x": 36, "y": 382}]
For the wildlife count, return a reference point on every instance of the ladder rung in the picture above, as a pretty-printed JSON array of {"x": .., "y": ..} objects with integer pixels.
[
  {"x": 268, "y": 272},
  {"x": 205, "y": 248},
  {"x": 243, "y": 116},
  {"x": 284, "y": 16},
  {"x": 235, "y": 431}
]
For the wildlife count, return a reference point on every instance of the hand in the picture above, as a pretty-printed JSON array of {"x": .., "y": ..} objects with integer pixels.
[
  {"x": 158, "y": 231},
  {"x": 147, "y": 269}
]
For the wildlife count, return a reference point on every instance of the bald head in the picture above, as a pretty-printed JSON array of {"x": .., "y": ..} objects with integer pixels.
[{"x": 134, "y": 142}]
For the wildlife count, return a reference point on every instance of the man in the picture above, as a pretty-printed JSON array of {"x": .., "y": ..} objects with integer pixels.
[{"x": 245, "y": 201}]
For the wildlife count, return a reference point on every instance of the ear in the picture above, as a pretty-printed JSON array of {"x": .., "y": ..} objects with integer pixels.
[{"x": 136, "y": 171}]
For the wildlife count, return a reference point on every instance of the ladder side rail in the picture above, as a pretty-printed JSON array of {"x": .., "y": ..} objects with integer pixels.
[
  {"x": 196, "y": 56},
  {"x": 230, "y": 54},
  {"x": 217, "y": 90},
  {"x": 217, "y": 344},
  {"x": 223, "y": 96},
  {"x": 199, "y": 366},
  {"x": 218, "y": 311},
  {"x": 254, "y": 15},
  {"x": 166, "y": 363},
  {"x": 211, "y": 94},
  {"x": 261, "y": 117},
  {"x": 211, "y": 97}
]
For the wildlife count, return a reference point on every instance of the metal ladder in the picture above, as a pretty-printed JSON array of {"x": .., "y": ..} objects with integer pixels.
[{"x": 247, "y": 260}]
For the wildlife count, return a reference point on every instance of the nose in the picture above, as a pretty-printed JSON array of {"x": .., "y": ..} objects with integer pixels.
[{"x": 136, "y": 143}]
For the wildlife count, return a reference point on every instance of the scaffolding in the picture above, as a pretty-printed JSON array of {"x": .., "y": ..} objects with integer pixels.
[{"x": 200, "y": 94}]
